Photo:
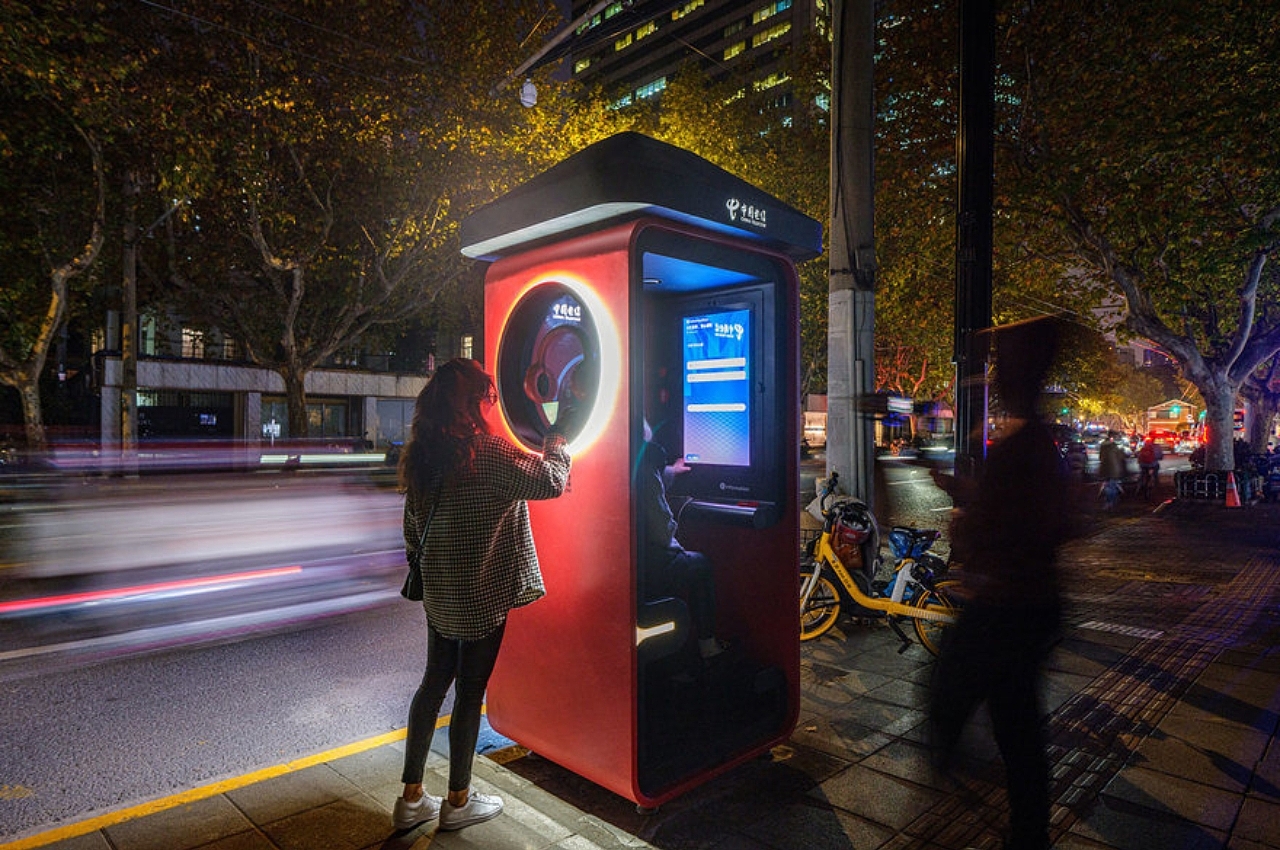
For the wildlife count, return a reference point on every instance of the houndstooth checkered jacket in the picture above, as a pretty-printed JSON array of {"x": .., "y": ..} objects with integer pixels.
[{"x": 479, "y": 561}]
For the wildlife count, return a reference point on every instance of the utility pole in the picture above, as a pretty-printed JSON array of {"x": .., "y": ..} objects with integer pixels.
[
  {"x": 851, "y": 317},
  {"x": 129, "y": 331},
  {"x": 975, "y": 162}
]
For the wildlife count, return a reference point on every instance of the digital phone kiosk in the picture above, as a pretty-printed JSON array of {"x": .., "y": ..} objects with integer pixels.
[{"x": 636, "y": 283}]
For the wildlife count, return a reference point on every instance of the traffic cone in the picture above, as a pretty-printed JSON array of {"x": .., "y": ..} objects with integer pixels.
[{"x": 1233, "y": 495}]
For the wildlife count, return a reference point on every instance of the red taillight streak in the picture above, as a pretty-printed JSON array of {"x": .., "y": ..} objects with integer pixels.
[{"x": 143, "y": 589}]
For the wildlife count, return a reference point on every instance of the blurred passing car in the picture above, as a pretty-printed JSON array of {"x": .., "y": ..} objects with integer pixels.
[{"x": 115, "y": 565}]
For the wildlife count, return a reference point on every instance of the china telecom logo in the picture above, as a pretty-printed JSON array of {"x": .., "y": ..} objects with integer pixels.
[
  {"x": 741, "y": 213},
  {"x": 566, "y": 310},
  {"x": 730, "y": 330}
]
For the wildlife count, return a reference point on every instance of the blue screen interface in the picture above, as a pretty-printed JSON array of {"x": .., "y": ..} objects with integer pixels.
[{"x": 717, "y": 388}]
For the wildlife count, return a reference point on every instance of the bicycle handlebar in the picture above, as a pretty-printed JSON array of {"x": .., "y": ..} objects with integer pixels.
[{"x": 828, "y": 491}]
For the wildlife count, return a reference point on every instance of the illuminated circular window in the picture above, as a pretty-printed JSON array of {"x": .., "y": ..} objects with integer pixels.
[{"x": 548, "y": 361}]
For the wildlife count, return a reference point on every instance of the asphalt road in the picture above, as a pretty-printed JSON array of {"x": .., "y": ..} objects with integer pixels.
[
  {"x": 77, "y": 742},
  {"x": 908, "y": 495},
  {"x": 911, "y": 497}
]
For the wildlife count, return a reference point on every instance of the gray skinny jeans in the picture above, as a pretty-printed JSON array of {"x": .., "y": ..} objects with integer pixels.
[{"x": 469, "y": 663}]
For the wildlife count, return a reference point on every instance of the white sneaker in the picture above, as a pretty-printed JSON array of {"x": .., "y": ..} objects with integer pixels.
[
  {"x": 407, "y": 815},
  {"x": 478, "y": 809}
]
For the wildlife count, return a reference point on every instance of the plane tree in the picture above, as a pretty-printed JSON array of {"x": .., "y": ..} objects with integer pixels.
[
  {"x": 915, "y": 80},
  {"x": 341, "y": 173},
  {"x": 53, "y": 180},
  {"x": 1262, "y": 391},
  {"x": 1141, "y": 144}
]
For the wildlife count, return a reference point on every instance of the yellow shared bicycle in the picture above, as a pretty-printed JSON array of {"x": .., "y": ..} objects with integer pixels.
[{"x": 837, "y": 572}]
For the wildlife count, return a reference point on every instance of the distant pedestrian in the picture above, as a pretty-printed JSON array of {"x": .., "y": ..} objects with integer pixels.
[
  {"x": 1111, "y": 470},
  {"x": 1149, "y": 457},
  {"x": 1007, "y": 531},
  {"x": 465, "y": 492}
]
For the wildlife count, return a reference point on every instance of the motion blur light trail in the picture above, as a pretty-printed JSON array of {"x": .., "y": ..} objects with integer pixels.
[
  {"x": 100, "y": 566},
  {"x": 155, "y": 589}
]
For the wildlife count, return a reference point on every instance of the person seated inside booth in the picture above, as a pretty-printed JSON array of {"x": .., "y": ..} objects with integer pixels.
[{"x": 669, "y": 568}]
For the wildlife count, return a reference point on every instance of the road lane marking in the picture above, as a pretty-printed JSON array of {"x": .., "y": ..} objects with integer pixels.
[
  {"x": 1116, "y": 628},
  {"x": 101, "y": 822}
]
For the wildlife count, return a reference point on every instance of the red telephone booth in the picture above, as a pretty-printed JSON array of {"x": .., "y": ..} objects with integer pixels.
[{"x": 643, "y": 284}]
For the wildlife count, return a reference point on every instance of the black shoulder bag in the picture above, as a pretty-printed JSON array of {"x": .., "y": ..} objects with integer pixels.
[{"x": 412, "y": 588}]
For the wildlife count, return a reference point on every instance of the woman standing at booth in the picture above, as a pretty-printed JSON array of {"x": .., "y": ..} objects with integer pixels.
[{"x": 467, "y": 490}]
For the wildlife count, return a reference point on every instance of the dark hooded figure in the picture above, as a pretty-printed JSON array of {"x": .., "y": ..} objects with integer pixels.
[{"x": 1006, "y": 533}]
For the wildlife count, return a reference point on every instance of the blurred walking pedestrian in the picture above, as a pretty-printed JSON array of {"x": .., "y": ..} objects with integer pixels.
[{"x": 1008, "y": 527}]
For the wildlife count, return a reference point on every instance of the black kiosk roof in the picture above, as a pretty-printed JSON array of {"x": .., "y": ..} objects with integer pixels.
[{"x": 629, "y": 175}]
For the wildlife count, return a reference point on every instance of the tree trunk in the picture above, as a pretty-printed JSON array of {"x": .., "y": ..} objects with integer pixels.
[
  {"x": 26, "y": 377},
  {"x": 1260, "y": 422},
  {"x": 33, "y": 416},
  {"x": 296, "y": 400},
  {"x": 1219, "y": 419},
  {"x": 1264, "y": 406}
]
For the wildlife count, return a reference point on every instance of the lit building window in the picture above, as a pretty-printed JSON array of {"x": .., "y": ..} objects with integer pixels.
[
  {"x": 769, "y": 11},
  {"x": 192, "y": 344},
  {"x": 623, "y": 43},
  {"x": 686, "y": 9},
  {"x": 650, "y": 89},
  {"x": 734, "y": 49},
  {"x": 581, "y": 65},
  {"x": 621, "y": 103},
  {"x": 465, "y": 347},
  {"x": 147, "y": 335},
  {"x": 774, "y": 79},
  {"x": 734, "y": 28},
  {"x": 613, "y": 9},
  {"x": 766, "y": 36},
  {"x": 646, "y": 29},
  {"x": 583, "y": 27}
]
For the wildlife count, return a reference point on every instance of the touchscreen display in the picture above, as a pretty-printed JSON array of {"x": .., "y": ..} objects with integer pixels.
[{"x": 717, "y": 388}]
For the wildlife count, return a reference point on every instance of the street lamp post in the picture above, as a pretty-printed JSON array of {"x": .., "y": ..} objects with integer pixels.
[{"x": 975, "y": 163}]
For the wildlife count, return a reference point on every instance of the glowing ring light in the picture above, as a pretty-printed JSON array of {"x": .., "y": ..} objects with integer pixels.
[{"x": 609, "y": 352}]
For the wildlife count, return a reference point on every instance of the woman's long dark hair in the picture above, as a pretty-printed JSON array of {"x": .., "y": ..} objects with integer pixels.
[{"x": 445, "y": 418}]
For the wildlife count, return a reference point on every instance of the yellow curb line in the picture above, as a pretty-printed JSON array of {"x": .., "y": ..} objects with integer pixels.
[{"x": 84, "y": 827}]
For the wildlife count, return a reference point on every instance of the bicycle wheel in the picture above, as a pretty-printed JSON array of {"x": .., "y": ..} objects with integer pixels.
[
  {"x": 821, "y": 610},
  {"x": 929, "y": 632}
]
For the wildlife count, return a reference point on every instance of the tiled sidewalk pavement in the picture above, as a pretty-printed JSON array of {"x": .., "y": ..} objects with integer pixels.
[{"x": 345, "y": 804}]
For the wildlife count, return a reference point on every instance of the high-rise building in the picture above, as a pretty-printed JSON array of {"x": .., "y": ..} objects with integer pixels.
[{"x": 633, "y": 49}]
